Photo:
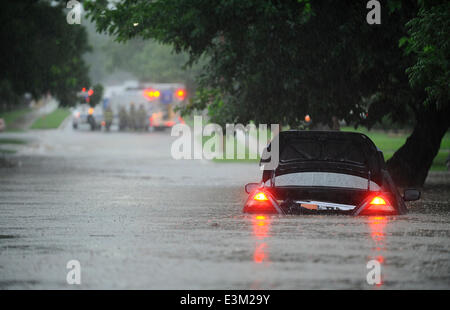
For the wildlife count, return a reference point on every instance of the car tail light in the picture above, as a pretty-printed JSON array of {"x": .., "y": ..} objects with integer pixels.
[
  {"x": 379, "y": 201},
  {"x": 261, "y": 202},
  {"x": 260, "y": 196},
  {"x": 377, "y": 205}
]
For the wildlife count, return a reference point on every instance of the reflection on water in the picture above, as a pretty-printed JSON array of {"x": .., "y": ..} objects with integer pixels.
[
  {"x": 261, "y": 233},
  {"x": 260, "y": 253},
  {"x": 261, "y": 229},
  {"x": 377, "y": 226}
]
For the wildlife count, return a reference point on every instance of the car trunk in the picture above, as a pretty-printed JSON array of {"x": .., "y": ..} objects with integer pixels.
[{"x": 337, "y": 152}]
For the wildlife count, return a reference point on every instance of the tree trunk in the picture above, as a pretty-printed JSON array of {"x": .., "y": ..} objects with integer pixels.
[{"x": 410, "y": 164}]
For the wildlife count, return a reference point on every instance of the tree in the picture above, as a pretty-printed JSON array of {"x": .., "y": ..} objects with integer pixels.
[
  {"x": 429, "y": 39},
  {"x": 146, "y": 60},
  {"x": 149, "y": 61},
  {"x": 97, "y": 95},
  {"x": 271, "y": 61},
  {"x": 40, "y": 51}
]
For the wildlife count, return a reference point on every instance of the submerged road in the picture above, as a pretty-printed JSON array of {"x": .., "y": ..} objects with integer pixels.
[{"x": 137, "y": 219}]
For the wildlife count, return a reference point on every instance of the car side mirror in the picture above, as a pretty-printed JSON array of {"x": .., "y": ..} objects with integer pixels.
[
  {"x": 250, "y": 187},
  {"x": 411, "y": 194},
  {"x": 265, "y": 156}
]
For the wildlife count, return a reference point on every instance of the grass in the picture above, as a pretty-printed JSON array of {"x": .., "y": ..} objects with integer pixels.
[
  {"x": 12, "y": 141},
  {"x": 390, "y": 142},
  {"x": 439, "y": 161},
  {"x": 52, "y": 120},
  {"x": 11, "y": 117},
  {"x": 6, "y": 151},
  {"x": 235, "y": 160}
]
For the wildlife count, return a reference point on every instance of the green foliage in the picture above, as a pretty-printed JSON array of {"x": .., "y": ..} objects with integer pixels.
[
  {"x": 40, "y": 51},
  {"x": 430, "y": 41},
  {"x": 149, "y": 61},
  {"x": 212, "y": 100},
  {"x": 7, "y": 95},
  {"x": 277, "y": 61},
  {"x": 146, "y": 60},
  {"x": 97, "y": 95}
]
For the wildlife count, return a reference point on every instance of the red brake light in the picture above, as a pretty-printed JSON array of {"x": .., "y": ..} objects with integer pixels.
[
  {"x": 260, "y": 197},
  {"x": 261, "y": 202},
  {"x": 378, "y": 205},
  {"x": 378, "y": 201}
]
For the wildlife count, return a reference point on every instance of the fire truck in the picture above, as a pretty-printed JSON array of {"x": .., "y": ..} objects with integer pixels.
[{"x": 151, "y": 103}]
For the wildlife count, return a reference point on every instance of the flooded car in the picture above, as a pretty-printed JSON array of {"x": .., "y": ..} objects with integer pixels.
[{"x": 327, "y": 172}]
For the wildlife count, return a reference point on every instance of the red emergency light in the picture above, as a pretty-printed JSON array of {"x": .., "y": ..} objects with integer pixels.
[
  {"x": 180, "y": 94},
  {"x": 151, "y": 94}
]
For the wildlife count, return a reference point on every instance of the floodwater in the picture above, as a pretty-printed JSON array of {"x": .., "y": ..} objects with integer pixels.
[{"x": 137, "y": 219}]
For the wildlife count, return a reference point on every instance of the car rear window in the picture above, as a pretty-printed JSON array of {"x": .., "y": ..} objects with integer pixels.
[{"x": 326, "y": 179}]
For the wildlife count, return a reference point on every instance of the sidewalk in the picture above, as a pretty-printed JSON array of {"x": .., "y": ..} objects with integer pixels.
[{"x": 25, "y": 122}]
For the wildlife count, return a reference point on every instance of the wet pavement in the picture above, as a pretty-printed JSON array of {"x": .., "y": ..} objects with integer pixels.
[{"x": 137, "y": 219}]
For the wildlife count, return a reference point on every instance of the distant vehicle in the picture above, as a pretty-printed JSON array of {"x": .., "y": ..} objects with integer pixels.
[
  {"x": 327, "y": 172},
  {"x": 85, "y": 114},
  {"x": 149, "y": 105}
]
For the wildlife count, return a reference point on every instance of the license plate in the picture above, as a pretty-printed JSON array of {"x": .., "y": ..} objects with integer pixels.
[{"x": 325, "y": 206}]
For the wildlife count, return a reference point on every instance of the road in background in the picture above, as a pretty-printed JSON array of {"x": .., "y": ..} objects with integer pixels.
[{"x": 136, "y": 218}]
